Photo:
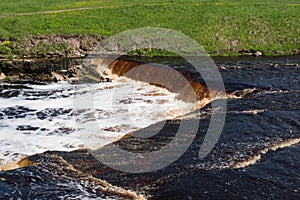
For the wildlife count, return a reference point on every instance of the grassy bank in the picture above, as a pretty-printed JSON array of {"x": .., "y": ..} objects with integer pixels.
[{"x": 223, "y": 27}]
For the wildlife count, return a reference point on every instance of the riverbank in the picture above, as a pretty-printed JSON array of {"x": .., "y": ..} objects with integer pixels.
[
  {"x": 53, "y": 46},
  {"x": 223, "y": 27},
  {"x": 65, "y": 69}
]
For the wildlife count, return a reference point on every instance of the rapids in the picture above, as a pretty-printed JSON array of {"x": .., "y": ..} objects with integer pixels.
[{"x": 256, "y": 156}]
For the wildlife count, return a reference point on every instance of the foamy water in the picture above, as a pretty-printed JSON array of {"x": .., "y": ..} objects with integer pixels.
[{"x": 60, "y": 116}]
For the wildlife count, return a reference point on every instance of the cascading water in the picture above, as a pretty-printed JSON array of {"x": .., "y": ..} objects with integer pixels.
[{"x": 36, "y": 118}]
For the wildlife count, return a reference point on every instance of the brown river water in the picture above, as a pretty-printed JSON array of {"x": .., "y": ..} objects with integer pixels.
[{"x": 255, "y": 157}]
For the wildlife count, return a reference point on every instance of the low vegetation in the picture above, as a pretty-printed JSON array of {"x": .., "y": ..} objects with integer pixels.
[{"x": 227, "y": 27}]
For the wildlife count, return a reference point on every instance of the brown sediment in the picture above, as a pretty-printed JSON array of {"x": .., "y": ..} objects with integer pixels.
[
  {"x": 106, "y": 187},
  {"x": 25, "y": 162},
  {"x": 9, "y": 166},
  {"x": 239, "y": 94},
  {"x": 61, "y": 169},
  {"x": 255, "y": 158}
]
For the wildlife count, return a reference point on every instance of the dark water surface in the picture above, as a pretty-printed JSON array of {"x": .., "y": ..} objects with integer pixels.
[{"x": 256, "y": 157}]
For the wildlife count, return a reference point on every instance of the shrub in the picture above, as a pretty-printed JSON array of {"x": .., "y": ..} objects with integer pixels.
[{"x": 7, "y": 79}]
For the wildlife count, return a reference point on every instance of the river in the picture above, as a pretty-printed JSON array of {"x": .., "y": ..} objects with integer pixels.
[{"x": 255, "y": 156}]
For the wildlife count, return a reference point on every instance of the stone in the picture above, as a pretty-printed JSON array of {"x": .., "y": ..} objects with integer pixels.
[
  {"x": 2, "y": 76},
  {"x": 258, "y": 53},
  {"x": 58, "y": 77}
]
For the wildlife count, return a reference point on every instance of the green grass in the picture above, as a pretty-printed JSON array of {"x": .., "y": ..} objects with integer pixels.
[{"x": 222, "y": 27}]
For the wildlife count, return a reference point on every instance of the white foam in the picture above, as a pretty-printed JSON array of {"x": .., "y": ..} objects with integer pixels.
[{"x": 104, "y": 112}]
